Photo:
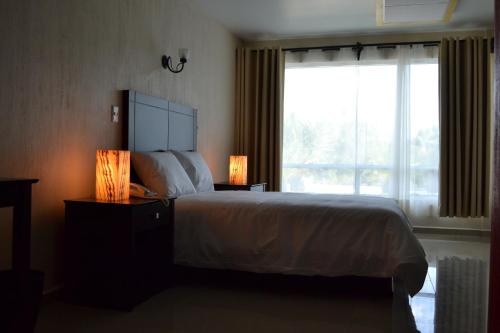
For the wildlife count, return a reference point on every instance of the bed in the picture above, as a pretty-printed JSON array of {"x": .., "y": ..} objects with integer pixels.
[{"x": 285, "y": 233}]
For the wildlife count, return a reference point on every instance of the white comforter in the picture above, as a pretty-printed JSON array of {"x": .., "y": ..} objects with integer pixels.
[{"x": 304, "y": 234}]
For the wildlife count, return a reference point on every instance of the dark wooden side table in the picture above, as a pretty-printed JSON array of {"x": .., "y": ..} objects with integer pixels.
[
  {"x": 118, "y": 254},
  {"x": 255, "y": 187},
  {"x": 17, "y": 193},
  {"x": 21, "y": 288}
]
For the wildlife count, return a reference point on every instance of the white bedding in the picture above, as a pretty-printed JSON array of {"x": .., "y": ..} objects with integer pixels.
[{"x": 297, "y": 233}]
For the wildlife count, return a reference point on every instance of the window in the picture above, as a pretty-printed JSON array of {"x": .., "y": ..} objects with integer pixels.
[{"x": 368, "y": 128}]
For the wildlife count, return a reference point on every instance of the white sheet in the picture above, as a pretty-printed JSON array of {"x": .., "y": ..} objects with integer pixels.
[{"x": 297, "y": 233}]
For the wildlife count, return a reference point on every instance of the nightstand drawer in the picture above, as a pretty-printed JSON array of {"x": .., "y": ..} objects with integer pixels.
[{"x": 150, "y": 216}]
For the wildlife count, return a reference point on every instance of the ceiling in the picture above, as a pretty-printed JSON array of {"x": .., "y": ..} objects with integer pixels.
[{"x": 276, "y": 19}]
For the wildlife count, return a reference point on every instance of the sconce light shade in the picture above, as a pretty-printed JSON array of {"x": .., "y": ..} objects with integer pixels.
[
  {"x": 237, "y": 170},
  {"x": 112, "y": 174},
  {"x": 184, "y": 54}
]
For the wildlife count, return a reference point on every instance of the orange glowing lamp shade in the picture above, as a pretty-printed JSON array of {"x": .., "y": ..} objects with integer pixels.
[
  {"x": 237, "y": 169},
  {"x": 112, "y": 175}
]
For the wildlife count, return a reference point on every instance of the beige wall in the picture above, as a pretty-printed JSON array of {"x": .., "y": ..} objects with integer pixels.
[{"x": 62, "y": 65}]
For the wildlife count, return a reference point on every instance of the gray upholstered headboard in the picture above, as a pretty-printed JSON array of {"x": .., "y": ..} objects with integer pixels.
[{"x": 156, "y": 124}]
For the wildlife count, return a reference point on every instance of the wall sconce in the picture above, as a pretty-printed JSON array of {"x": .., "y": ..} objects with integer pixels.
[
  {"x": 237, "y": 170},
  {"x": 112, "y": 175},
  {"x": 166, "y": 61}
]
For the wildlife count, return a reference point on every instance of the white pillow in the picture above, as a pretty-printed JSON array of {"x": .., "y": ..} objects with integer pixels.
[
  {"x": 197, "y": 170},
  {"x": 162, "y": 173}
]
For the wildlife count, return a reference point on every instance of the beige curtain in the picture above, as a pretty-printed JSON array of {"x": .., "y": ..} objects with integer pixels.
[
  {"x": 465, "y": 127},
  {"x": 259, "y": 113}
]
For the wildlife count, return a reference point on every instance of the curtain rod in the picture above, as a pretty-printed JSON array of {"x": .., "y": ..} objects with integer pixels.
[{"x": 360, "y": 45}]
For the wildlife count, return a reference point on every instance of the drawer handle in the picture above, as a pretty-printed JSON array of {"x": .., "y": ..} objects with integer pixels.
[{"x": 157, "y": 216}]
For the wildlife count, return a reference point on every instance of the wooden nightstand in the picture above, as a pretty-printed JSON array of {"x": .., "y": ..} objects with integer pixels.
[
  {"x": 257, "y": 187},
  {"x": 118, "y": 254}
]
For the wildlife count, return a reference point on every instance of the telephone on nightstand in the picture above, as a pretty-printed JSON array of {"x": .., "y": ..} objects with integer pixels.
[{"x": 140, "y": 191}]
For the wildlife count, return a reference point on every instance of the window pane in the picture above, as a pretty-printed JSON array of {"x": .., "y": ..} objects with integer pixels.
[
  {"x": 318, "y": 180},
  {"x": 344, "y": 131},
  {"x": 424, "y": 129},
  {"x": 319, "y": 129},
  {"x": 336, "y": 118},
  {"x": 320, "y": 115},
  {"x": 376, "y": 114},
  {"x": 376, "y": 182},
  {"x": 424, "y": 182}
]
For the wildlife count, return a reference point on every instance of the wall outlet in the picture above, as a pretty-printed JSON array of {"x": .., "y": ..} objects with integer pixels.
[{"x": 115, "y": 114}]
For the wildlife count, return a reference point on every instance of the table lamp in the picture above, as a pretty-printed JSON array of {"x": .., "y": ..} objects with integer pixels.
[
  {"x": 237, "y": 169},
  {"x": 112, "y": 174}
]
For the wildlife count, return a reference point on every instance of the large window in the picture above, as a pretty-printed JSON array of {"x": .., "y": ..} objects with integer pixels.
[{"x": 362, "y": 128}]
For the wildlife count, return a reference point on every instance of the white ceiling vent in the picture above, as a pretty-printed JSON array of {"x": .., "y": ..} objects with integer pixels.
[{"x": 412, "y": 12}]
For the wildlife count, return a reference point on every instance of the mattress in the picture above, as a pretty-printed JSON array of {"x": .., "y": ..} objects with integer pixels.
[{"x": 298, "y": 233}]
